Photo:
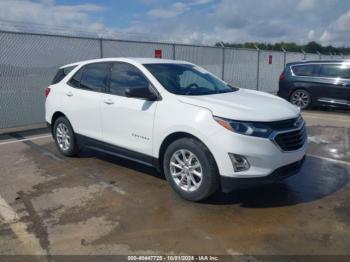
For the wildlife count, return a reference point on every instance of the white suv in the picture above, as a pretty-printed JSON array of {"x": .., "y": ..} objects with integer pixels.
[{"x": 203, "y": 134}]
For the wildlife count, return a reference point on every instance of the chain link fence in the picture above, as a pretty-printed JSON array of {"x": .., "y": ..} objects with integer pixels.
[
  {"x": 28, "y": 63},
  {"x": 210, "y": 58},
  {"x": 241, "y": 67}
]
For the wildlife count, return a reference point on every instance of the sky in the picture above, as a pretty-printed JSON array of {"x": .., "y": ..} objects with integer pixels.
[{"x": 191, "y": 21}]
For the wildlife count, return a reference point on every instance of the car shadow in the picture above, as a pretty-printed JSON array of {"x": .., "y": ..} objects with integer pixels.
[
  {"x": 317, "y": 179},
  {"x": 148, "y": 170}
]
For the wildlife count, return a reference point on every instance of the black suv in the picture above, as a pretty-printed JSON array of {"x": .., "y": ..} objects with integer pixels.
[{"x": 316, "y": 83}]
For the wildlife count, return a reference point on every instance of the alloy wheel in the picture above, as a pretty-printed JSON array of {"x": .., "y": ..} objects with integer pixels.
[
  {"x": 301, "y": 99},
  {"x": 63, "y": 136},
  {"x": 186, "y": 170}
]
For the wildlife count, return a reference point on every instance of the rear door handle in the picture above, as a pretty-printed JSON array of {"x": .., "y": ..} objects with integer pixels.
[
  {"x": 109, "y": 102},
  {"x": 69, "y": 93}
]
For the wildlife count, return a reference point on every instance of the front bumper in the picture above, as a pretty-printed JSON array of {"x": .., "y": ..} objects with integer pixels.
[
  {"x": 263, "y": 155},
  {"x": 229, "y": 184}
]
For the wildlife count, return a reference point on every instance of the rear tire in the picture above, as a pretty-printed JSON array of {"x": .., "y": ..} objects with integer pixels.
[
  {"x": 190, "y": 169},
  {"x": 301, "y": 98},
  {"x": 64, "y": 137}
]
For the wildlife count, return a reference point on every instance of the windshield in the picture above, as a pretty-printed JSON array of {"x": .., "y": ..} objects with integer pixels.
[{"x": 185, "y": 79}]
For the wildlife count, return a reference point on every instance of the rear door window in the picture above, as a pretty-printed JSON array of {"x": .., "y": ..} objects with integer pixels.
[
  {"x": 62, "y": 73},
  {"x": 335, "y": 71},
  {"x": 304, "y": 70},
  {"x": 94, "y": 77}
]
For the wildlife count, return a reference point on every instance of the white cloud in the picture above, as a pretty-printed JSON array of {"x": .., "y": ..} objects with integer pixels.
[
  {"x": 342, "y": 24},
  {"x": 250, "y": 20},
  {"x": 202, "y": 21},
  {"x": 175, "y": 9},
  {"x": 306, "y": 5},
  {"x": 48, "y": 13},
  {"x": 338, "y": 32},
  {"x": 315, "y": 5},
  {"x": 200, "y": 2},
  {"x": 311, "y": 35}
]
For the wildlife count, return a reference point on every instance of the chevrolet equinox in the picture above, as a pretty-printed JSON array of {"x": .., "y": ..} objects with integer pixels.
[{"x": 200, "y": 132}]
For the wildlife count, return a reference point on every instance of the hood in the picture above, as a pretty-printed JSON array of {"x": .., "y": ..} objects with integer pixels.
[{"x": 245, "y": 105}]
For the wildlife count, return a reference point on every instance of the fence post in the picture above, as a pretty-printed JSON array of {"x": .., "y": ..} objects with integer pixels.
[
  {"x": 223, "y": 61},
  {"x": 101, "y": 47},
  {"x": 319, "y": 55},
  {"x": 303, "y": 54},
  {"x": 284, "y": 57},
  {"x": 258, "y": 67},
  {"x": 174, "y": 51}
]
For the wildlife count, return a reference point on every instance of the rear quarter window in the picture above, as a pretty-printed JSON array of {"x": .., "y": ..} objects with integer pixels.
[
  {"x": 304, "y": 70},
  {"x": 61, "y": 73}
]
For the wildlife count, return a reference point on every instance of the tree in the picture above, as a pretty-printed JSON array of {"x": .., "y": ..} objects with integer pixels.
[{"x": 311, "y": 47}]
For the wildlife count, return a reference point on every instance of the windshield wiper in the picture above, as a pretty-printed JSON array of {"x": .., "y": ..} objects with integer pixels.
[
  {"x": 188, "y": 93},
  {"x": 225, "y": 91}
]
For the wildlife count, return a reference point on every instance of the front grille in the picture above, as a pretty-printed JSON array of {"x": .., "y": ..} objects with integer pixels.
[
  {"x": 284, "y": 124},
  {"x": 293, "y": 140}
]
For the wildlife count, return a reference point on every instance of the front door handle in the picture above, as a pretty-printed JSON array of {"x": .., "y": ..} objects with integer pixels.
[
  {"x": 109, "y": 102},
  {"x": 69, "y": 93}
]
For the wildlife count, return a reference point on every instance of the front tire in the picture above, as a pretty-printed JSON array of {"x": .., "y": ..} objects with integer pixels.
[
  {"x": 64, "y": 137},
  {"x": 301, "y": 98},
  {"x": 190, "y": 169}
]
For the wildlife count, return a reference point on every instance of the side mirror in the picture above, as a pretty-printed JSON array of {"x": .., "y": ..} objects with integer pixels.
[{"x": 142, "y": 93}]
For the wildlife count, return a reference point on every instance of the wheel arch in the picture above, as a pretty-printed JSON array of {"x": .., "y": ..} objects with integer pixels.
[
  {"x": 54, "y": 117},
  {"x": 170, "y": 139},
  {"x": 295, "y": 88}
]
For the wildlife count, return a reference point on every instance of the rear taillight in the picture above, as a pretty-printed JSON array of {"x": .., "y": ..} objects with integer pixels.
[
  {"x": 47, "y": 91},
  {"x": 282, "y": 76}
]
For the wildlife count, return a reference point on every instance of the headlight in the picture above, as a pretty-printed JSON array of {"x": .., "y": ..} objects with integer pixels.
[{"x": 244, "y": 128}]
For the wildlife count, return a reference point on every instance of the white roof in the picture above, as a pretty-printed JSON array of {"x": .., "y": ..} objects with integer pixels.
[{"x": 129, "y": 60}]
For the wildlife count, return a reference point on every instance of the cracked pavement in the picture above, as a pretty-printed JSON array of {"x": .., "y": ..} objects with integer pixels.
[{"x": 98, "y": 204}]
